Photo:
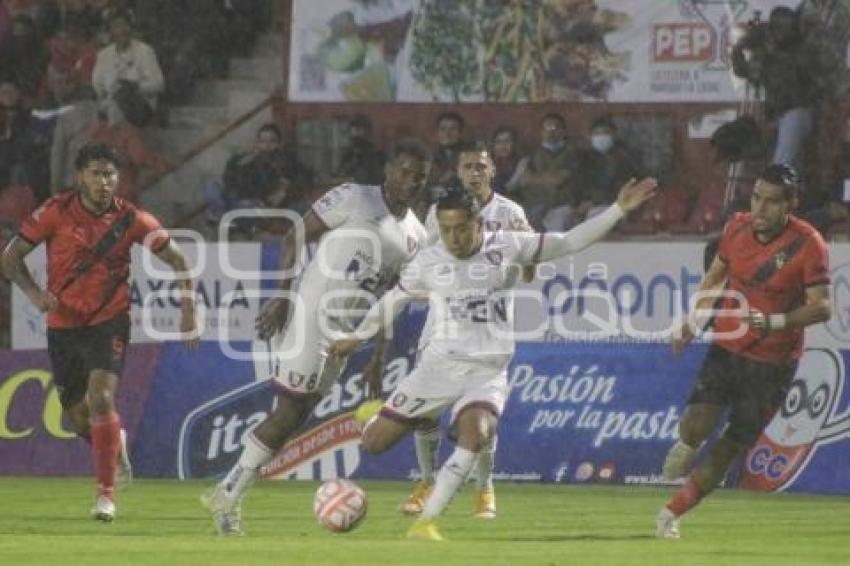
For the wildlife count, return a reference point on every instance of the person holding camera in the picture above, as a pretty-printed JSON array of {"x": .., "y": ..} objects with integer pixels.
[{"x": 798, "y": 73}]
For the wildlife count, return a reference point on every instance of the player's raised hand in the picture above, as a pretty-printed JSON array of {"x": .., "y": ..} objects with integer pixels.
[
  {"x": 272, "y": 317},
  {"x": 635, "y": 193},
  {"x": 344, "y": 347},
  {"x": 44, "y": 301}
]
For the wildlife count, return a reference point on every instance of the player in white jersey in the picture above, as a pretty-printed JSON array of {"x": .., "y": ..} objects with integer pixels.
[
  {"x": 467, "y": 279},
  {"x": 476, "y": 172},
  {"x": 365, "y": 234}
]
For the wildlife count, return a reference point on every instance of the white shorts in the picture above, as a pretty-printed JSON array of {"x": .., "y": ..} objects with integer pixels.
[
  {"x": 301, "y": 363},
  {"x": 437, "y": 384}
]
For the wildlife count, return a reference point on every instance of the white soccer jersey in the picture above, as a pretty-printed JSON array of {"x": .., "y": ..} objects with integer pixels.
[
  {"x": 498, "y": 213},
  {"x": 471, "y": 302},
  {"x": 364, "y": 251}
]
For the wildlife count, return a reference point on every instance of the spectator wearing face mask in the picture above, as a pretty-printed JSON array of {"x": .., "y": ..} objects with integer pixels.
[
  {"x": 604, "y": 167},
  {"x": 547, "y": 186}
]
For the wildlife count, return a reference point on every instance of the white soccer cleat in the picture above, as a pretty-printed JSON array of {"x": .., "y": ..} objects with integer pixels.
[
  {"x": 678, "y": 461},
  {"x": 124, "y": 472},
  {"x": 104, "y": 509},
  {"x": 666, "y": 524},
  {"x": 226, "y": 512}
]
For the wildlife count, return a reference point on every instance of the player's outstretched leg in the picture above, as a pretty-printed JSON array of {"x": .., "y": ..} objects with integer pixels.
[
  {"x": 702, "y": 481},
  {"x": 224, "y": 501},
  {"x": 105, "y": 432},
  {"x": 697, "y": 423},
  {"x": 427, "y": 442},
  {"x": 679, "y": 460},
  {"x": 484, "y": 502},
  {"x": 475, "y": 427}
]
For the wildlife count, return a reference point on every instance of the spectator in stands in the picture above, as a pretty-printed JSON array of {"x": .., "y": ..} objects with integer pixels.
[
  {"x": 450, "y": 126},
  {"x": 267, "y": 175},
  {"x": 25, "y": 58},
  {"x": 127, "y": 76},
  {"x": 603, "y": 167},
  {"x": 73, "y": 54},
  {"x": 547, "y": 187},
  {"x": 506, "y": 157},
  {"x": 22, "y": 143},
  {"x": 142, "y": 165},
  {"x": 69, "y": 135},
  {"x": 361, "y": 161},
  {"x": 797, "y": 71},
  {"x": 244, "y": 20}
]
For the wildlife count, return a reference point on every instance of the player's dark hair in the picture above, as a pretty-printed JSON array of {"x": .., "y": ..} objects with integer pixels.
[
  {"x": 785, "y": 176},
  {"x": 506, "y": 130},
  {"x": 477, "y": 146},
  {"x": 454, "y": 116},
  {"x": 97, "y": 152},
  {"x": 603, "y": 122},
  {"x": 411, "y": 148},
  {"x": 556, "y": 117},
  {"x": 273, "y": 128},
  {"x": 458, "y": 198}
]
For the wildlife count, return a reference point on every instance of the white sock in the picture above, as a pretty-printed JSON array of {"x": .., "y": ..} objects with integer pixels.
[
  {"x": 484, "y": 470},
  {"x": 254, "y": 455},
  {"x": 451, "y": 477},
  {"x": 427, "y": 447}
]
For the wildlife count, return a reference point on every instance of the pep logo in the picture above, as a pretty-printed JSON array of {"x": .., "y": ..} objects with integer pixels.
[
  {"x": 683, "y": 42},
  {"x": 12, "y": 396}
]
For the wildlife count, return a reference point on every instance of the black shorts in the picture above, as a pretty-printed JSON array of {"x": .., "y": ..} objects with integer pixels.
[
  {"x": 75, "y": 352},
  {"x": 753, "y": 390}
]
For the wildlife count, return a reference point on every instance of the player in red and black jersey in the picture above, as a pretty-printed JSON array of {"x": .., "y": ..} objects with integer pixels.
[
  {"x": 89, "y": 232},
  {"x": 773, "y": 269}
]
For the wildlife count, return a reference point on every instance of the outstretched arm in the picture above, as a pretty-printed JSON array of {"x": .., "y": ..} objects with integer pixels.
[{"x": 556, "y": 244}]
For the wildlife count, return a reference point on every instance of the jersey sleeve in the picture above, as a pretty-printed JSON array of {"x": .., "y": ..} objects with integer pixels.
[
  {"x": 41, "y": 224},
  {"x": 529, "y": 246},
  {"x": 149, "y": 232},
  {"x": 518, "y": 221},
  {"x": 335, "y": 206},
  {"x": 816, "y": 263},
  {"x": 412, "y": 278}
]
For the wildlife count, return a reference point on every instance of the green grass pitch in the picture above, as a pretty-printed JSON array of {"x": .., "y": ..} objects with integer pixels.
[{"x": 45, "y": 521}]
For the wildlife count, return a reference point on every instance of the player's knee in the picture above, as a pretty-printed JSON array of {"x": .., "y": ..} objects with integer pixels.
[
  {"x": 476, "y": 430},
  {"x": 101, "y": 400},
  {"x": 695, "y": 427}
]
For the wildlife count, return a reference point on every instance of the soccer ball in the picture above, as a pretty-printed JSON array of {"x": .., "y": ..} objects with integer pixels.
[{"x": 339, "y": 505}]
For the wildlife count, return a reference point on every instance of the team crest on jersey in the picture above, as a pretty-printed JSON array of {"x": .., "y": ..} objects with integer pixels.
[
  {"x": 494, "y": 257},
  {"x": 492, "y": 225},
  {"x": 412, "y": 244},
  {"x": 780, "y": 259}
]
